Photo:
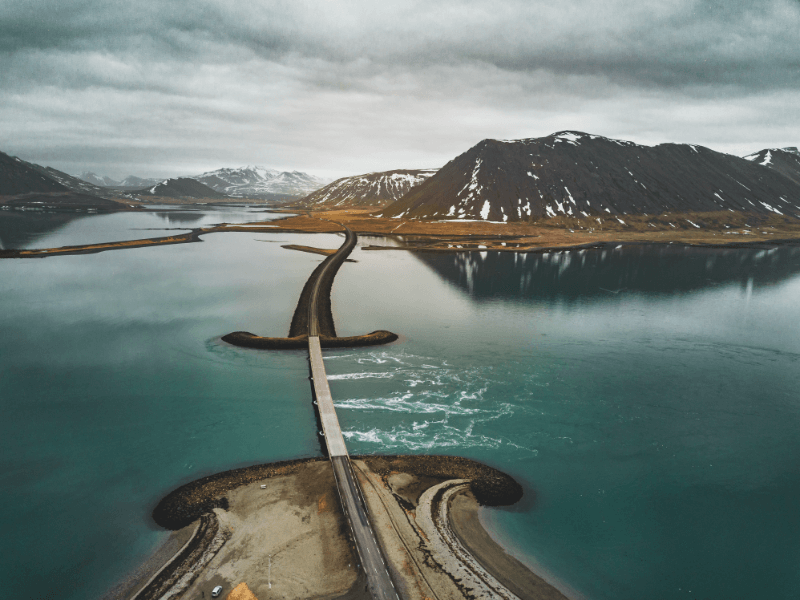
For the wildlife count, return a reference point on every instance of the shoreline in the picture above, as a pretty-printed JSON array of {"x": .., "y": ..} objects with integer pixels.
[
  {"x": 519, "y": 577},
  {"x": 439, "y": 236},
  {"x": 530, "y": 561},
  {"x": 291, "y": 511}
]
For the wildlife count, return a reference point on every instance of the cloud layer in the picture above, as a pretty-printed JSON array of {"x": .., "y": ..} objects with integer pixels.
[{"x": 345, "y": 87}]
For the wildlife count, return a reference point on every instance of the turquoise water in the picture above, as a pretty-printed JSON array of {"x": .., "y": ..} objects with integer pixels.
[
  {"x": 646, "y": 398},
  {"x": 114, "y": 389}
]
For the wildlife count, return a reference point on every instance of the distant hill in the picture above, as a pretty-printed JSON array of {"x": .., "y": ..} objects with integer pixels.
[
  {"x": 372, "y": 189},
  {"x": 258, "y": 182},
  {"x": 785, "y": 161},
  {"x": 131, "y": 181},
  {"x": 181, "y": 187},
  {"x": 574, "y": 173},
  {"x": 95, "y": 179}
]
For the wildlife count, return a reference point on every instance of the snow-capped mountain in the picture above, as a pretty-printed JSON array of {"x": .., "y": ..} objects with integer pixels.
[
  {"x": 181, "y": 187},
  {"x": 785, "y": 161},
  {"x": 574, "y": 173},
  {"x": 258, "y": 182},
  {"x": 96, "y": 179},
  {"x": 372, "y": 189}
]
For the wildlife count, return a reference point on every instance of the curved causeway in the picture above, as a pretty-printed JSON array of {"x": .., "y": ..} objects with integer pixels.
[
  {"x": 312, "y": 324},
  {"x": 316, "y": 292}
]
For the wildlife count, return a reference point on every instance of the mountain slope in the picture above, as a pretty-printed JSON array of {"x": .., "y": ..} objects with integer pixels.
[
  {"x": 73, "y": 183},
  {"x": 573, "y": 173},
  {"x": 28, "y": 185},
  {"x": 372, "y": 189},
  {"x": 182, "y": 187},
  {"x": 258, "y": 182},
  {"x": 785, "y": 161},
  {"x": 19, "y": 177}
]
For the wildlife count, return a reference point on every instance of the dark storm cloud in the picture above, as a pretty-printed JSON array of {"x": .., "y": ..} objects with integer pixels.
[
  {"x": 301, "y": 71},
  {"x": 684, "y": 43}
]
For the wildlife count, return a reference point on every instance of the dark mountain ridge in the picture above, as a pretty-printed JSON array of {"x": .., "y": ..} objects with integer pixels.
[
  {"x": 18, "y": 177},
  {"x": 27, "y": 185},
  {"x": 371, "y": 189},
  {"x": 75, "y": 184},
  {"x": 577, "y": 174}
]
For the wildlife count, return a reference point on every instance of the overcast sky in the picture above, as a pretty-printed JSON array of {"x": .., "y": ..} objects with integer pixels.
[{"x": 345, "y": 87}]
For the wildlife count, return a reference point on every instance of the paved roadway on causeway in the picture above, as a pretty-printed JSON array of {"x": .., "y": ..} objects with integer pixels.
[{"x": 379, "y": 582}]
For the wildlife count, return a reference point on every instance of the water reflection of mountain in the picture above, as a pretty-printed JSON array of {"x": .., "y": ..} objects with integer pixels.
[
  {"x": 21, "y": 228},
  {"x": 180, "y": 217},
  {"x": 603, "y": 272}
]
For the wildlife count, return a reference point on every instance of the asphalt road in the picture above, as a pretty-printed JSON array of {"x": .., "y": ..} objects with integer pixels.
[
  {"x": 333, "y": 261},
  {"x": 371, "y": 558}
]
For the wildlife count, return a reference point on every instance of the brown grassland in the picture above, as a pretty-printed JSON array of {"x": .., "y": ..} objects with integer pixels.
[{"x": 701, "y": 228}]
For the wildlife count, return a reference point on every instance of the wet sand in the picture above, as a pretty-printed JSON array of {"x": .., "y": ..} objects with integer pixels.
[
  {"x": 126, "y": 589},
  {"x": 284, "y": 534},
  {"x": 466, "y": 524}
]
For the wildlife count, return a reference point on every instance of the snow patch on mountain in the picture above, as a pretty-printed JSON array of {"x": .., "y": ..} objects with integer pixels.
[{"x": 371, "y": 189}]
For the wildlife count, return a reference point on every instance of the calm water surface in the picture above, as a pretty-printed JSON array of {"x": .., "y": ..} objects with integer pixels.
[
  {"x": 51, "y": 229},
  {"x": 646, "y": 398}
]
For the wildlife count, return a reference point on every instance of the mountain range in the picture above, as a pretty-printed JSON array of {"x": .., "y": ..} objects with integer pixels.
[
  {"x": 259, "y": 182},
  {"x": 372, "y": 189},
  {"x": 578, "y": 174},
  {"x": 243, "y": 182},
  {"x": 568, "y": 173},
  {"x": 130, "y": 182}
]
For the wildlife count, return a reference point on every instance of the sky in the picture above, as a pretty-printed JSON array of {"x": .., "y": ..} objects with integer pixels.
[{"x": 335, "y": 88}]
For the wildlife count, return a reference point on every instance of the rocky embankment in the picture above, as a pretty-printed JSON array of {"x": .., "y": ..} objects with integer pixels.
[{"x": 191, "y": 501}]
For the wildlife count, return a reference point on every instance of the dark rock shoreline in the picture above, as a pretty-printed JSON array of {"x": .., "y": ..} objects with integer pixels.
[
  {"x": 192, "y": 500},
  {"x": 246, "y": 339}
]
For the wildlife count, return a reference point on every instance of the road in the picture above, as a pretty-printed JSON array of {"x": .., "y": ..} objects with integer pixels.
[{"x": 372, "y": 560}]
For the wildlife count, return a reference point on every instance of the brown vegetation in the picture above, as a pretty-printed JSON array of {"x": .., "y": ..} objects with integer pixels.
[{"x": 715, "y": 228}]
